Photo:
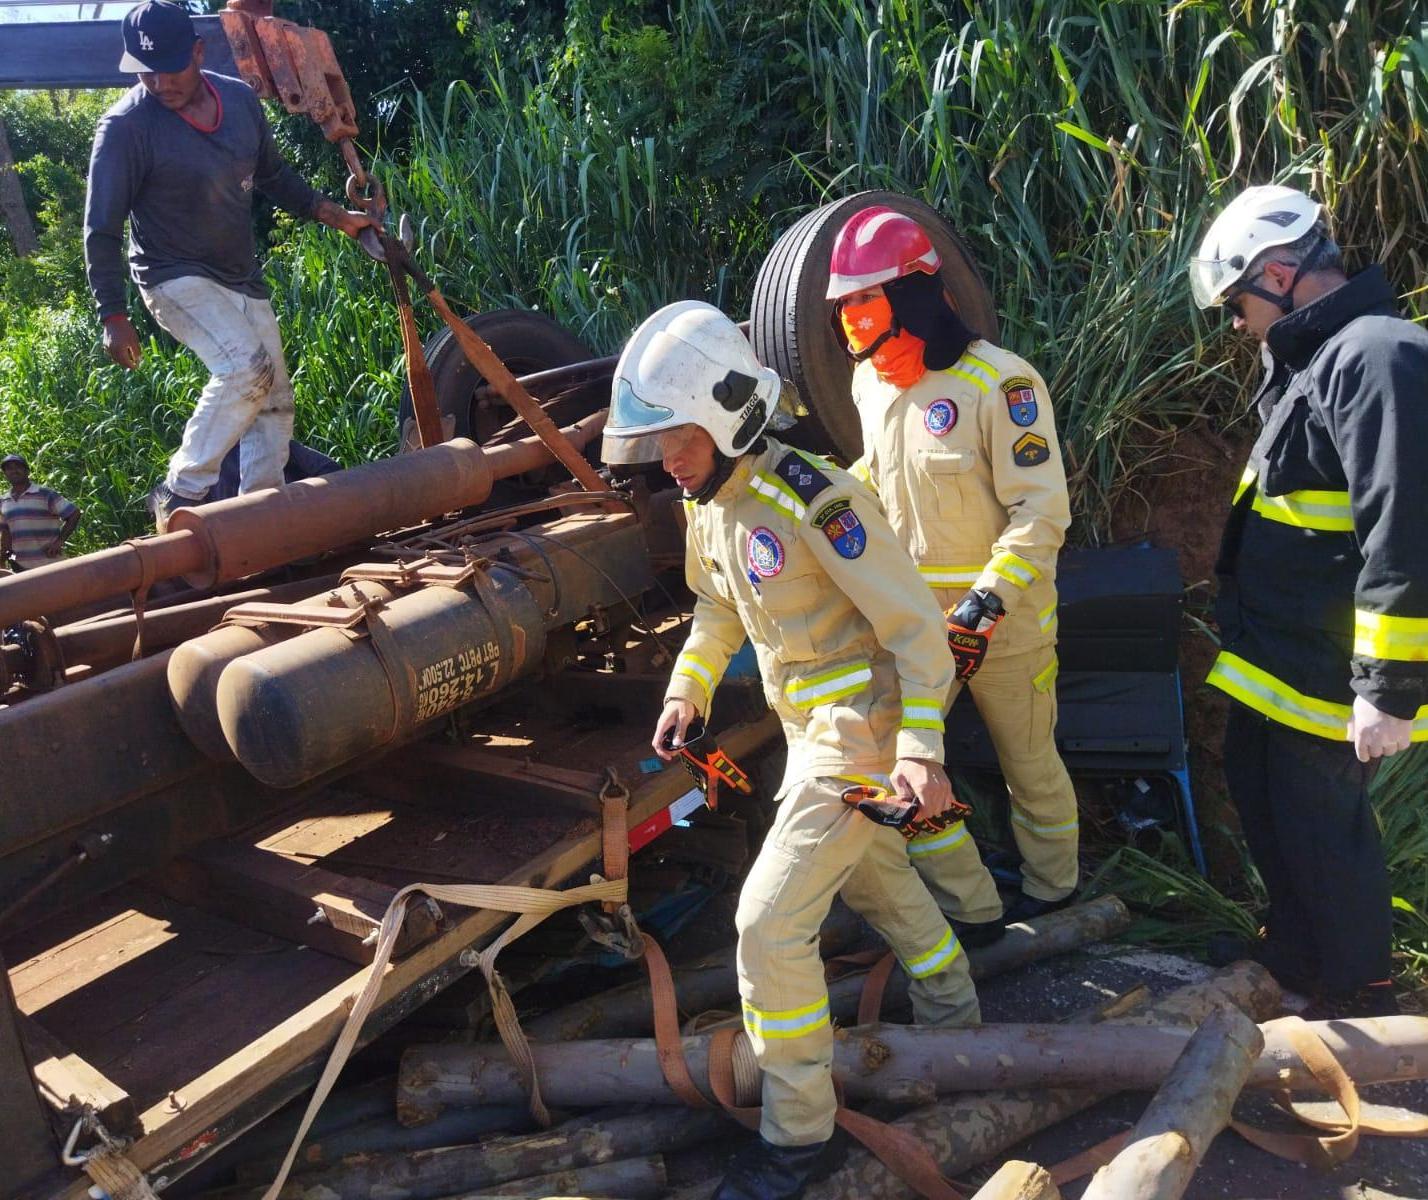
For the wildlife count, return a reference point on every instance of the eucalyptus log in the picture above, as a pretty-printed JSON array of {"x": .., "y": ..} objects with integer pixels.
[
  {"x": 426, "y": 1174},
  {"x": 965, "y": 1131},
  {"x": 1182, "y": 1120},
  {"x": 630, "y": 1179},
  {"x": 904, "y": 1064},
  {"x": 1016, "y": 1180},
  {"x": 387, "y": 1135},
  {"x": 1028, "y": 942}
]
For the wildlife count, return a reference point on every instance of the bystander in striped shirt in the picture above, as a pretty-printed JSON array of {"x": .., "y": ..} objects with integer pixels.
[{"x": 34, "y": 518}]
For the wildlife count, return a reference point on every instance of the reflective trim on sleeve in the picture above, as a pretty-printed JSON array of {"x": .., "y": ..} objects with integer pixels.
[
  {"x": 1057, "y": 830},
  {"x": 919, "y": 712},
  {"x": 697, "y": 669},
  {"x": 1045, "y": 677},
  {"x": 940, "y": 956},
  {"x": 1261, "y": 691},
  {"x": 785, "y": 1023},
  {"x": 1245, "y": 480},
  {"x": 777, "y": 496},
  {"x": 1014, "y": 569},
  {"x": 1046, "y": 618},
  {"x": 942, "y": 841},
  {"x": 944, "y": 575},
  {"x": 831, "y": 685},
  {"x": 858, "y": 469},
  {"x": 1326, "y": 511},
  {"x": 1401, "y": 639}
]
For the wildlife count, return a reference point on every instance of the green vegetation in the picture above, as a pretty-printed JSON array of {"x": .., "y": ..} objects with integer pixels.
[{"x": 608, "y": 156}]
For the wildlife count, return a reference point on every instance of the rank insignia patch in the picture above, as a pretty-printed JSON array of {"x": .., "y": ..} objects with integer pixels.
[
  {"x": 940, "y": 417},
  {"x": 802, "y": 476},
  {"x": 1021, "y": 400},
  {"x": 765, "y": 553},
  {"x": 841, "y": 526},
  {"x": 1030, "y": 450}
]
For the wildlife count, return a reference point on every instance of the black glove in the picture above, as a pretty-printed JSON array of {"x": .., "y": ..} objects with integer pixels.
[{"x": 970, "y": 627}]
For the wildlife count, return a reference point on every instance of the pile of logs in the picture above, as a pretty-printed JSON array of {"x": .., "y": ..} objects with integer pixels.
[{"x": 455, "y": 1124}]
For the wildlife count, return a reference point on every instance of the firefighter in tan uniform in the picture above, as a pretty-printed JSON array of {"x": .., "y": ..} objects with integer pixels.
[
  {"x": 960, "y": 444},
  {"x": 788, "y": 550}
]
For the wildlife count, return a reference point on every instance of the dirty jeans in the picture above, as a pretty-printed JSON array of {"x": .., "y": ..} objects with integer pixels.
[{"x": 248, "y": 400}]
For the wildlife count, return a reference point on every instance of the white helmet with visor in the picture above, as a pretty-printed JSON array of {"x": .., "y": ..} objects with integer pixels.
[
  {"x": 1256, "y": 220},
  {"x": 688, "y": 364}
]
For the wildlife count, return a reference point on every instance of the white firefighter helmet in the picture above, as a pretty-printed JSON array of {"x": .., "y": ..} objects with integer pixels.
[
  {"x": 688, "y": 364},
  {"x": 1254, "y": 221}
]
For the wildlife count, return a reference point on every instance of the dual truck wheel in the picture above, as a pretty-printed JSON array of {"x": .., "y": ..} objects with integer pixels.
[{"x": 789, "y": 327}]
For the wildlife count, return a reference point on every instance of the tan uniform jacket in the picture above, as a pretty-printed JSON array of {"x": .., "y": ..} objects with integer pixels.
[
  {"x": 968, "y": 468},
  {"x": 851, "y": 647}
]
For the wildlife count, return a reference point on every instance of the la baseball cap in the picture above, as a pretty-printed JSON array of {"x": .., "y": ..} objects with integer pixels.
[
  {"x": 15, "y": 458},
  {"x": 158, "y": 38}
]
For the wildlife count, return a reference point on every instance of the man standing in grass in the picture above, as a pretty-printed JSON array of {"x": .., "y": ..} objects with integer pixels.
[
  {"x": 35, "y": 522},
  {"x": 179, "y": 158},
  {"x": 1323, "y": 605}
]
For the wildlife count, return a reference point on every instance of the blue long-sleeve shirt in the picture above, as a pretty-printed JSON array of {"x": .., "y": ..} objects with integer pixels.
[{"x": 187, "y": 194}]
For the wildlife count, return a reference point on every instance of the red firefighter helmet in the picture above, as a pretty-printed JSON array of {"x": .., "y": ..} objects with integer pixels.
[{"x": 876, "y": 245}]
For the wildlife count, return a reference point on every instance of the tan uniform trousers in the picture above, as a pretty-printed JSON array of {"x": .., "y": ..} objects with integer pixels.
[
  {"x": 817, "y": 847},
  {"x": 1016, "y": 697}
]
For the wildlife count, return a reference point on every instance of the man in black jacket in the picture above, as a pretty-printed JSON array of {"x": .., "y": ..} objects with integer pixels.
[{"x": 1323, "y": 604}]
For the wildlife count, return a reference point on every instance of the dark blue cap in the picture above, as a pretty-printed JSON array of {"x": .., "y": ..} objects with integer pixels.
[{"x": 158, "y": 39}]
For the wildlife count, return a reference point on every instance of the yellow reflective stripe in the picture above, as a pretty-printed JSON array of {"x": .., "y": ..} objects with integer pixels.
[
  {"x": 919, "y": 712},
  {"x": 1379, "y": 635},
  {"x": 877, "y": 781},
  {"x": 696, "y": 668},
  {"x": 947, "y": 949},
  {"x": 943, "y": 575},
  {"x": 1014, "y": 569},
  {"x": 1045, "y": 677},
  {"x": 1026, "y": 822},
  {"x": 814, "y": 460},
  {"x": 1046, "y": 618},
  {"x": 773, "y": 493},
  {"x": 976, "y": 380},
  {"x": 1328, "y": 511},
  {"x": 1245, "y": 480},
  {"x": 941, "y": 842},
  {"x": 845, "y": 681},
  {"x": 1261, "y": 691},
  {"x": 982, "y": 365},
  {"x": 785, "y": 1023}
]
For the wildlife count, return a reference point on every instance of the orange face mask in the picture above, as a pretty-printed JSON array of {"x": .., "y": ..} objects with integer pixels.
[{"x": 897, "y": 357}]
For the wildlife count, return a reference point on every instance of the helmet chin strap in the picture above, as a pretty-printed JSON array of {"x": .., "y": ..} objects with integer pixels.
[
  {"x": 1284, "y": 301},
  {"x": 723, "y": 468}
]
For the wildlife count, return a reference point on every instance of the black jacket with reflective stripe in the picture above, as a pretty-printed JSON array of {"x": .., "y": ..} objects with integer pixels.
[{"x": 1324, "y": 562}]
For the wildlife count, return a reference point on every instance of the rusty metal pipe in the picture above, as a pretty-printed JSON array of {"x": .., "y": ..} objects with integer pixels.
[{"x": 215, "y": 543}]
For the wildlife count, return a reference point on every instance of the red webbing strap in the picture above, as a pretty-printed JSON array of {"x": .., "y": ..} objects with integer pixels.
[
  {"x": 1092, "y": 1159},
  {"x": 669, "y": 1046},
  {"x": 870, "y": 999}
]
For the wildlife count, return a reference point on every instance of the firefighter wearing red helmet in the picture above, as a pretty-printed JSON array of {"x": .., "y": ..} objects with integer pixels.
[{"x": 960, "y": 444}]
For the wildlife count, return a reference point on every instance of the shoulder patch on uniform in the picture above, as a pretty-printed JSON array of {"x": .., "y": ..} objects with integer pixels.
[
  {"x": 940, "y": 417},
  {"x": 765, "y": 553},
  {"x": 804, "y": 479},
  {"x": 1020, "y": 395},
  {"x": 841, "y": 526},
  {"x": 1030, "y": 450}
]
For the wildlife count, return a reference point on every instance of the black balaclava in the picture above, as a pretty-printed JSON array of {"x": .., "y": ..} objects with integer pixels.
[{"x": 920, "y": 307}]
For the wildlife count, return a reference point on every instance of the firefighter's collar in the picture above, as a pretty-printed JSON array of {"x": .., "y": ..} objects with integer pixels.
[{"x": 1295, "y": 339}]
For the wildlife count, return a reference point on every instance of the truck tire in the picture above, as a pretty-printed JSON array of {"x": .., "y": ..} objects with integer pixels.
[
  {"x": 790, "y": 321},
  {"x": 526, "y": 342}
]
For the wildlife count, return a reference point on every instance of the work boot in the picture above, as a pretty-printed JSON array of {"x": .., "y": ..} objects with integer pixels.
[
  {"x": 976, "y": 934},
  {"x": 763, "y": 1171},
  {"x": 163, "y": 501},
  {"x": 1028, "y": 908},
  {"x": 1290, "y": 969}
]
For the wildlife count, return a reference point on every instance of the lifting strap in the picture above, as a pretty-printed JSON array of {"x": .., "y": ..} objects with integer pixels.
[{"x": 533, "y": 904}]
